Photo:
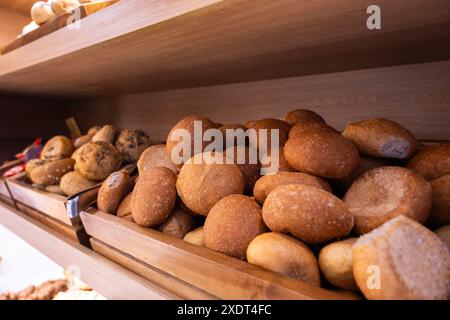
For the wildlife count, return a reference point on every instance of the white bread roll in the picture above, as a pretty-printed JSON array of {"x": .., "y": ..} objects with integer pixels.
[{"x": 41, "y": 12}]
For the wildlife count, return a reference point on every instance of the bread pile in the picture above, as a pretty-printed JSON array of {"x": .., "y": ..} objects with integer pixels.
[{"x": 352, "y": 210}]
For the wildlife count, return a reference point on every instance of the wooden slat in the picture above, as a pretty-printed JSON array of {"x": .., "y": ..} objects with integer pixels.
[{"x": 106, "y": 277}]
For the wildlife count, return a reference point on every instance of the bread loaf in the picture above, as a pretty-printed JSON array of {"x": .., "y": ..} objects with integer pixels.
[
  {"x": 32, "y": 164},
  {"x": 57, "y": 148},
  {"x": 125, "y": 206},
  {"x": 195, "y": 237},
  {"x": 234, "y": 127},
  {"x": 73, "y": 183},
  {"x": 246, "y": 158},
  {"x": 155, "y": 156},
  {"x": 269, "y": 163},
  {"x": 432, "y": 162},
  {"x": 105, "y": 134},
  {"x": 178, "y": 224},
  {"x": 444, "y": 234},
  {"x": 51, "y": 173},
  {"x": 131, "y": 144},
  {"x": 302, "y": 127},
  {"x": 113, "y": 190},
  {"x": 271, "y": 126},
  {"x": 440, "y": 211},
  {"x": 302, "y": 116}
]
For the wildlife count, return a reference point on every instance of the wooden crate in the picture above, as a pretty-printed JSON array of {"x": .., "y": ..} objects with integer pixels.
[
  {"x": 5, "y": 195},
  {"x": 147, "y": 252}
]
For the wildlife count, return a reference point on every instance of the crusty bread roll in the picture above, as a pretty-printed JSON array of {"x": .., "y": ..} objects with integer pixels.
[
  {"x": 302, "y": 116},
  {"x": 308, "y": 213},
  {"x": 155, "y": 156},
  {"x": 41, "y": 12},
  {"x": 61, "y": 7},
  {"x": 178, "y": 224},
  {"x": 32, "y": 164},
  {"x": 283, "y": 254},
  {"x": 236, "y": 134},
  {"x": 82, "y": 140},
  {"x": 301, "y": 128},
  {"x": 125, "y": 206},
  {"x": 433, "y": 162},
  {"x": 73, "y": 182},
  {"x": 270, "y": 125},
  {"x": 131, "y": 144},
  {"x": 195, "y": 237},
  {"x": 232, "y": 224},
  {"x": 51, "y": 173},
  {"x": 444, "y": 234},
  {"x": 267, "y": 184},
  {"x": 246, "y": 158},
  {"x": 154, "y": 197},
  {"x": 440, "y": 211},
  {"x": 201, "y": 185},
  {"x": 93, "y": 131},
  {"x": 106, "y": 134},
  {"x": 386, "y": 192},
  {"x": 336, "y": 264},
  {"x": 97, "y": 160},
  {"x": 268, "y": 162},
  {"x": 381, "y": 138},
  {"x": 113, "y": 190},
  {"x": 401, "y": 260},
  {"x": 57, "y": 148},
  {"x": 321, "y": 153}
]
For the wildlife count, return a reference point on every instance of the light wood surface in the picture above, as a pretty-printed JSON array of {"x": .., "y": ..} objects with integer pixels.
[
  {"x": 159, "y": 45},
  {"x": 221, "y": 276},
  {"x": 108, "y": 278}
]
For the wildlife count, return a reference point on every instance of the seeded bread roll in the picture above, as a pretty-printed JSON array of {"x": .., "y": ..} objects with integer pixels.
[
  {"x": 195, "y": 237},
  {"x": 105, "y": 134},
  {"x": 444, "y": 234},
  {"x": 308, "y": 213},
  {"x": 155, "y": 156},
  {"x": 323, "y": 154},
  {"x": 271, "y": 126},
  {"x": 432, "y": 162},
  {"x": 178, "y": 224},
  {"x": 186, "y": 125},
  {"x": 401, "y": 260},
  {"x": 283, "y": 254},
  {"x": 113, "y": 190},
  {"x": 201, "y": 185},
  {"x": 32, "y": 164},
  {"x": 154, "y": 197},
  {"x": 381, "y": 138},
  {"x": 268, "y": 162},
  {"x": 384, "y": 193},
  {"x": 97, "y": 160},
  {"x": 267, "y": 184},
  {"x": 51, "y": 173},
  {"x": 336, "y": 264},
  {"x": 302, "y": 116},
  {"x": 82, "y": 140},
  {"x": 232, "y": 224},
  {"x": 131, "y": 144},
  {"x": 246, "y": 158},
  {"x": 237, "y": 132},
  {"x": 125, "y": 206},
  {"x": 56, "y": 189},
  {"x": 73, "y": 182},
  {"x": 301, "y": 128},
  {"x": 57, "y": 148},
  {"x": 440, "y": 211}
]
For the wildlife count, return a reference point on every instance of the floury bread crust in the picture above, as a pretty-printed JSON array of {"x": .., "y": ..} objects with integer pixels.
[
  {"x": 113, "y": 191},
  {"x": 302, "y": 116},
  {"x": 51, "y": 173}
]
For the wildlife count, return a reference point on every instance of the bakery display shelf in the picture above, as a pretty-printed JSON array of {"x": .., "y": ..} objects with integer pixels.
[
  {"x": 145, "y": 250},
  {"x": 105, "y": 276},
  {"x": 160, "y": 45}
]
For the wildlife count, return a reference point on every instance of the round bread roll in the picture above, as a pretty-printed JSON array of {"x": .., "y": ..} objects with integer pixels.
[
  {"x": 440, "y": 211},
  {"x": 401, "y": 260},
  {"x": 56, "y": 189},
  {"x": 302, "y": 116},
  {"x": 274, "y": 168},
  {"x": 154, "y": 197},
  {"x": 336, "y": 264},
  {"x": 73, "y": 182},
  {"x": 178, "y": 224},
  {"x": 384, "y": 193},
  {"x": 113, "y": 190},
  {"x": 267, "y": 184},
  {"x": 61, "y": 7},
  {"x": 155, "y": 156},
  {"x": 57, "y": 148},
  {"x": 187, "y": 124},
  {"x": 283, "y": 254},
  {"x": 82, "y": 140},
  {"x": 195, "y": 237},
  {"x": 32, "y": 164},
  {"x": 105, "y": 134},
  {"x": 232, "y": 224},
  {"x": 237, "y": 140},
  {"x": 125, "y": 206},
  {"x": 51, "y": 173},
  {"x": 444, "y": 234},
  {"x": 97, "y": 160},
  {"x": 270, "y": 125},
  {"x": 93, "y": 131},
  {"x": 381, "y": 138},
  {"x": 246, "y": 158},
  {"x": 201, "y": 185},
  {"x": 433, "y": 162},
  {"x": 321, "y": 153},
  {"x": 308, "y": 213},
  {"x": 131, "y": 144},
  {"x": 41, "y": 12},
  {"x": 301, "y": 128}
]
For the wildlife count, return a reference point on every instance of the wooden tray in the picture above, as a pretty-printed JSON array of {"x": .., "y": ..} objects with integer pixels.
[
  {"x": 5, "y": 195},
  {"x": 145, "y": 250}
]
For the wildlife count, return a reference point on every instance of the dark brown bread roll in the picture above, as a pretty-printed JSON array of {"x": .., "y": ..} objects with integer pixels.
[
  {"x": 178, "y": 224},
  {"x": 155, "y": 156},
  {"x": 444, "y": 234},
  {"x": 301, "y": 128},
  {"x": 440, "y": 212},
  {"x": 113, "y": 191},
  {"x": 246, "y": 158},
  {"x": 51, "y": 173},
  {"x": 432, "y": 162},
  {"x": 73, "y": 182},
  {"x": 269, "y": 163},
  {"x": 302, "y": 116},
  {"x": 238, "y": 131},
  {"x": 271, "y": 125},
  {"x": 131, "y": 144},
  {"x": 57, "y": 148}
]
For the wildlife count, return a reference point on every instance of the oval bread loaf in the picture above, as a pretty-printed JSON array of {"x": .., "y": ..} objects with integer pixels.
[
  {"x": 302, "y": 116},
  {"x": 73, "y": 182},
  {"x": 113, "y": 190},
  {"x": 178, "y": 224},
  {"x": 106, "y": 134},
  {"x": 302, "y": 128},
  {"x": 272, "y": 126},
  {"x": 57, "y": 148},
  {"x": 440, "y": 211},
  {"x": 432, "y": 162},
  {"x": 51, "y": 173},
  {"x": 246, "y": 158},
  {"x": 155, "y": 156},
  {"x": 272, "y": 165}
]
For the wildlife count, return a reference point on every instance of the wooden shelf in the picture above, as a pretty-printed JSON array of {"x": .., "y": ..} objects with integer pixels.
[
  {"x": 142, "y": 45},
  {"x": 108, "y": 278}
]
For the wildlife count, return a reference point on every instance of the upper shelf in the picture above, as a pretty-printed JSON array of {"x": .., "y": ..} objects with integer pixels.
[{"x": 143, "y": 45}]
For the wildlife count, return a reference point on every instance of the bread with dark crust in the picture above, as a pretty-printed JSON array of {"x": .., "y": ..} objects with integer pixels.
[
  {"x": 113, "y": 191},
  {"x": 433, "y": 162},
  {"x": 51, "y": 173},
  {"x": 301, "y": 128},
  {"x": 302, "y": 116},
  {"x": 178, "y": 224},
  {"x": 440, "y": 212},
  {"x": 131, "y": 144},
  {"x": 57, "y": 148},
  {"x": 270, "y": 125}
]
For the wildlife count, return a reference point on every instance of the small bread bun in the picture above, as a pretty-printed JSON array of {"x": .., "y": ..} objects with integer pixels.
[
  {"x": 113, "y": 190},
  {"x": 154, "y": 197},
  {"x": 236, "y": 134},
  {"x": 283, "y": 254},
  {"x": 283, "y": 165},
  {"x": 321, "y": 153},
  {"x": 270, "y": 125},
  {"x": 381, "y": 138},
  {"x": 32, "y": 164},
  {"x": 433, "y": 162},
  {"x": 384, "y": 193},
  {"x": 56, "y": 189},
  {"x": 82, "y": 140},
  {"x": 302, "y": 116},
  {"x": 336, "y": 264},
  {"x": 41, "y": 12},
  {"x": 125, "y": 206},
  {"x": 444, "y": 234},
  {"x": 232, "y": 224},
  {"x": 401, "y": 260},
  {"x": 187, "y": 124},
  {"x": 246, "y": 158},
  {"x": 440, "y": 212},
  {"x": 178, "y": 224},
  {"x": 105, "y": 134},
  {"x": 301, "y": 128},
  {"x": 73, "y": 182},
  {"x": 195, "y": 237},
  {"x": 93, "y": 131},
  {"x": 131, "y": 144},
  {"x": 61, "y": 7},
  {"x": 267, "y": 184},
  {"x": 51, "y": 173},
  {"x": 308, "y": 213},
  {"x": 97, "y": 160},
  {"x": 155, "y": 156},
  {"x": 57, "y": 148},
  {"x": 201, "y": 185}
]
